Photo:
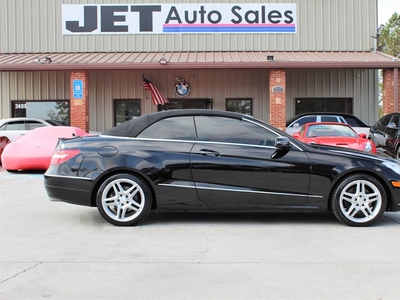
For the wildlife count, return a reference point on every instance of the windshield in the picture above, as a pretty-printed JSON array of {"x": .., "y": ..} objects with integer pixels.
[{"x": 330, "y": 130}]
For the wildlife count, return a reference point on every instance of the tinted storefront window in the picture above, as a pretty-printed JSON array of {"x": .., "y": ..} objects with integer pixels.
[
  {"x": 48, "y": 110},
  {"x": 243, "y": 106},
  {"x": 125, "y": 110},
  {"x": 340, "y": 105}
]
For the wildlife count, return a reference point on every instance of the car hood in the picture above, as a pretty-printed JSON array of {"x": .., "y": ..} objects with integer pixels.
[
  {"x": 344, "y": 141},
  {"x": 341, "y": 151}
]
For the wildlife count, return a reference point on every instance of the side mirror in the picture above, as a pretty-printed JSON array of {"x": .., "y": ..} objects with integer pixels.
[
  {"x": 296, "y": 125},
  {"x": 296, "y": 135},
  {"x": 282, "y": 142},
  {"x": 362, "y": 135}
]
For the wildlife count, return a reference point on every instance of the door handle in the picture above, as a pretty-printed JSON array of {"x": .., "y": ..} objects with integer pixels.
[{"x": 209, "y": 152}]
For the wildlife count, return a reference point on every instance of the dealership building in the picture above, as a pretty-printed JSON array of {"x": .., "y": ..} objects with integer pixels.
[{"x": 83, "y": 62}]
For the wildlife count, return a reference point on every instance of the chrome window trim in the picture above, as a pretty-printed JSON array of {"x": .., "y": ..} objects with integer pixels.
[
  {"x": 207, "y": 142},
  {"x": 164, "y": 140},
  {"x": 115, "y": 137},
  {"x": 236, "y": 144}
]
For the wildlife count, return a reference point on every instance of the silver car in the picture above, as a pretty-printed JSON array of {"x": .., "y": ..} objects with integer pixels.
[{"x": 14, "y": 127}]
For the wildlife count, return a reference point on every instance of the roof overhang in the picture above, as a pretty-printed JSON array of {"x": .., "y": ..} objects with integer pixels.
[{"x": 196, "y": 60}]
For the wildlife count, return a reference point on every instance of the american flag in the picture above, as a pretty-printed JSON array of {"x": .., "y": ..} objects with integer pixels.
[{"x": 156, "y": 96}]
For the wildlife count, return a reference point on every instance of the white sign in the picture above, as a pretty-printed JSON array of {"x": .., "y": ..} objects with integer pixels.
[{"x": 178, "y": 18}]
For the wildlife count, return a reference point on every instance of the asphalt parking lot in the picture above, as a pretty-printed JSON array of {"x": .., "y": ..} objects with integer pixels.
[{"x": 52, "y": 250}]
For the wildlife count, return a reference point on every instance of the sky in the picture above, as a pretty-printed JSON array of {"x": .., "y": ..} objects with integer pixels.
[{"x": 386, "y": 8}]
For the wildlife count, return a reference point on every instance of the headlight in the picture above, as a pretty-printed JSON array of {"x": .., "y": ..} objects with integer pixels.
[{"x": 368, "y": 147}]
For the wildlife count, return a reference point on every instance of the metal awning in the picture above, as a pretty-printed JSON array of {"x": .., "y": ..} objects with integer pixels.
[{"x": 196, "y": 60}]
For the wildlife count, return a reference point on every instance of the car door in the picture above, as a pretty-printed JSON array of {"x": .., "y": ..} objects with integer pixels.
[
  {"x": 166, "y": 145},
  {"x": 233, "y": 165}
]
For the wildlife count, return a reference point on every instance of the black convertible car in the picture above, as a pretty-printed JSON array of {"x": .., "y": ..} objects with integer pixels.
[{"x": 210, "y": 160}]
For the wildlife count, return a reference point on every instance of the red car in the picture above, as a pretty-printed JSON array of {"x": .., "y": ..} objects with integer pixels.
[
  {"x": 334, "y": 134},
  {"x": 4, "y": 141},
  {"x": 33, "y": 151}
]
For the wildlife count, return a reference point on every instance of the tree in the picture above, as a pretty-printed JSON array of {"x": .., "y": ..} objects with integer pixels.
[
  {"x": 389, "y": 38},
  {"x": 60, "y": 112}
]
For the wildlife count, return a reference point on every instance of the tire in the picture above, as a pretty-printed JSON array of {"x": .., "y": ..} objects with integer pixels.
[
  {"x": 397, "y": 153},
  {"x": 359, "y": 200},
  {"x": 124, "y": 200}
]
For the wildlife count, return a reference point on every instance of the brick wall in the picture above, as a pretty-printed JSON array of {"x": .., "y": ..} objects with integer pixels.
[
  {"x": 80, "y": 105},
  {"x": 277, "y": 98},
  {"x": 389, "y": 91}
]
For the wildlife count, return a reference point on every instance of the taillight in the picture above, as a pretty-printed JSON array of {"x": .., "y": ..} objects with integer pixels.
[{"x": 62, "y": 155}]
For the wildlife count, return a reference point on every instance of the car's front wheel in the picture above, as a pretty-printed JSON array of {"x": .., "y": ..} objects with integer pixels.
[
  {"x": 124, "y": 200},
  {"x": 359, "y": 200}
]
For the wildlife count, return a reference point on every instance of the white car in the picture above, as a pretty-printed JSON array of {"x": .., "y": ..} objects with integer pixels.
[
  {"x": 13, "y": 127},
  {"x": 294, "y": 124}
]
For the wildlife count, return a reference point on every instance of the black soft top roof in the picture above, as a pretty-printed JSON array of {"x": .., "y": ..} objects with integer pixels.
[{"x": 135, "y": 126}]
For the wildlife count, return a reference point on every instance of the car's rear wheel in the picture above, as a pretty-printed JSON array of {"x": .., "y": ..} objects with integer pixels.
[
  {"x": 359, "y": 200},
  {"x": 124, "y": 200}
]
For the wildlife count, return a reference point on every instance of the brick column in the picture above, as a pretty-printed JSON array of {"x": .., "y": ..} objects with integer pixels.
[
  {"x": 79, "y": 107},
  {"x": 390, "y": 92},
  {"x": 277, "y": 99}
]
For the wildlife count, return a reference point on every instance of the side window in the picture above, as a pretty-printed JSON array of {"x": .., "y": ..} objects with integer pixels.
[
  {"x": 395, "y": 120},
  {"x": 178, "y": 128},
  {"x": 17, "y": 125},
  {"x": 227, "y": 130},
  {"x": 331, "y": 119},
  {"x": 34, "y": 124},
  {"x": 393, "y": 126},
  {"x": 353, "y": 122},
  {"x": 304, "y": 120},
  {"x": 385, "y": 120}
]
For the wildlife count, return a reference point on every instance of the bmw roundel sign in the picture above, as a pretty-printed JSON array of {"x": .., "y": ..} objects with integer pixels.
[{"x": 182, "y": 88}]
